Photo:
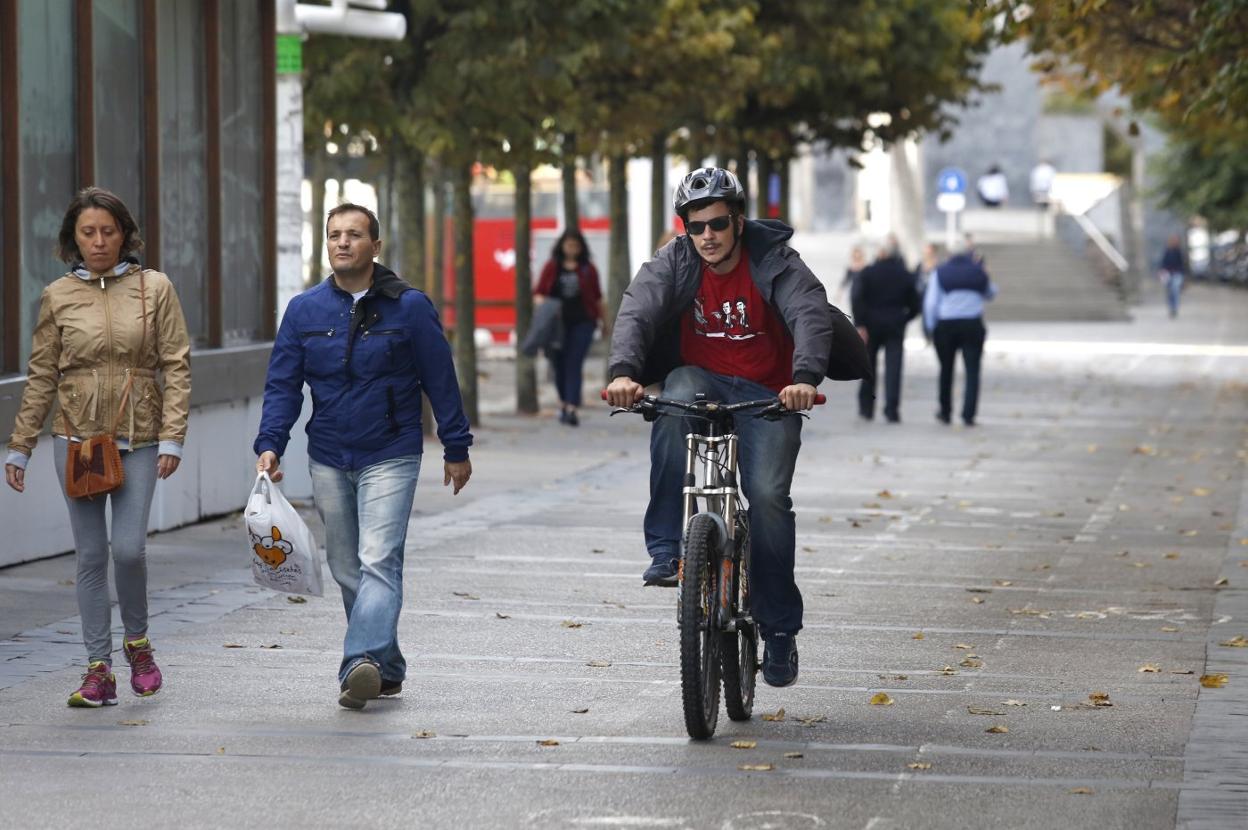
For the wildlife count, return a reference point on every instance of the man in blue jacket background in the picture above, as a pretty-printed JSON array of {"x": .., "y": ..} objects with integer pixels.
[{"x": 368, "y": 344}]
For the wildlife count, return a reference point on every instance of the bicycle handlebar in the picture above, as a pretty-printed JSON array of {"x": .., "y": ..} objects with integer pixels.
[{"x": 652, "y": 402}]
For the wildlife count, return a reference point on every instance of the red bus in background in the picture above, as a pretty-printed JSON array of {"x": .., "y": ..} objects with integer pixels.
[{"x": 494, "y": 267}]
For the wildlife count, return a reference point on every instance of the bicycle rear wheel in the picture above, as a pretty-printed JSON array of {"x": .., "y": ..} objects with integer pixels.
[
  {"x": 739, "y": 652},
  {"x": 700, "y": 637}
]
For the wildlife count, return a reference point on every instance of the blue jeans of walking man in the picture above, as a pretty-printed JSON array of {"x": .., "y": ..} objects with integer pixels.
[
  {"x": 767, "y": 457},
  {"x": 365, "y": 513}
]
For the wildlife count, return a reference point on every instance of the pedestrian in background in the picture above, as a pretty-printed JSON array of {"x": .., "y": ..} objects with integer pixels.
[
  {"x": 928, "y": 263},
  {"x": 368, "y": 345},
  {"x": 953, "y": 316},
  {"x": 105, "y": 330},
  {"x": 572, "y": 280},
  {"x": 1172, "y": 272},
  {"x": 857, "y": 261},
  {"x": 885, "y": 298},
  {"x": 993, "y": 188}
]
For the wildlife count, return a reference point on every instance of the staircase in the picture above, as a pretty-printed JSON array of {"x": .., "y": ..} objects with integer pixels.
[{"x": 1043, "y": 280}]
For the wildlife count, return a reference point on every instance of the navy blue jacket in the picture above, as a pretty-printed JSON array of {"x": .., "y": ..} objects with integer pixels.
[{"x": 366, "y": 370}]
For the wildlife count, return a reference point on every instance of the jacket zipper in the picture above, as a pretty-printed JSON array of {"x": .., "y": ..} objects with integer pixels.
[{"x": 108, "y": 341}]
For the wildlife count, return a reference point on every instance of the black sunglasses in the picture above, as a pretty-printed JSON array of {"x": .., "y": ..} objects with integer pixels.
[{"x": 719, "y": 223}]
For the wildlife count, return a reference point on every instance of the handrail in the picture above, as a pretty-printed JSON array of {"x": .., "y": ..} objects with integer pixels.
[{"x": 1106, "y": 247}]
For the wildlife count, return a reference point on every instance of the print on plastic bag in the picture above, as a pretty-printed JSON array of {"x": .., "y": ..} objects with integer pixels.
[{"x": 284, "y": 553}]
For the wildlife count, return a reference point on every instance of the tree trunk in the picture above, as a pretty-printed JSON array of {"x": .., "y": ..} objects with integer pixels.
[
  {"x": 412, "y": 214},
  {"x": 658, "y": 188},
  {"x": 437, "y": 264},
  {"x": 465, "y": 292},
  {"x": 571, "y": 209},
  {"x": 620, "y": 272},
  {"x": 526, "y": 373},
  {"x": 765, "y": 170},
  {"x": 319, "y": 209},
  {"x": 743, "y": 174},
  {"x": 783, "y": 165},
  {"x": 697, "y": 147}
]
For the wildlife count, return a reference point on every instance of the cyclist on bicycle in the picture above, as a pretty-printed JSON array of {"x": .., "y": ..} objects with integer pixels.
[{"x": 730, "y": 311}]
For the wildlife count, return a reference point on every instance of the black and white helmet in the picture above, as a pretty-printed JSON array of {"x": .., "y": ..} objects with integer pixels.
[{"x": 705, "y": 185}]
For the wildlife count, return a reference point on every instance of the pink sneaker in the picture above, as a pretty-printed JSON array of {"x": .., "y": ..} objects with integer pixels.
[
  {"x": 145, "y": 676},
  {"x": 99, "y": 687}
]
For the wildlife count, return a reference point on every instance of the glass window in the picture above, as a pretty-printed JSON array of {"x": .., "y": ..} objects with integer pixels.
[
  {"x": 118, "y": 79},
  {"x": 183, "y": 185},
  {"x": 242, "y": 172},
  {"x": 46, "y": 144}
]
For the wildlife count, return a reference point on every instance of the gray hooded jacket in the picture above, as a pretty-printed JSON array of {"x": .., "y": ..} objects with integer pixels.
[{"x": 645, "y": 345}]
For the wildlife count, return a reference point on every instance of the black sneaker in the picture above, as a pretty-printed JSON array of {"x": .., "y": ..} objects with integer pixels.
[
  {"x": 573, "y": 420},
  {"x": 390, "y": 688},
  {"x": 663, "y": 571},
  {"x": 780, "y": 660},
  {"x": 943, "y": 417},
  {"x": 363, "y": 684}
]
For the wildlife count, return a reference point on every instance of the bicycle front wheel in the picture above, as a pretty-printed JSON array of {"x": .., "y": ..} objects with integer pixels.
[{"x": 700, "y": 638}]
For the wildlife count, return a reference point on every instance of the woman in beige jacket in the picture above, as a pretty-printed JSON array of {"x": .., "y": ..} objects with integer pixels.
[{"x": 105, "y": 324}]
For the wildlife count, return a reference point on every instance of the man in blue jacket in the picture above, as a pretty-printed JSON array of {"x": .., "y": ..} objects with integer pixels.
[{"x": 368, "y": 344}]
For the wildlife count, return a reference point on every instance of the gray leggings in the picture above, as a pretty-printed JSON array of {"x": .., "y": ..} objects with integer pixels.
[{"x": 131, "y": 506}]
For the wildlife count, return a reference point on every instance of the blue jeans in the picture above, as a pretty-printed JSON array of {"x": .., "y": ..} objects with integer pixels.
[
  {"x": 365, "y": 513},
  {"x": 569, "y": 362},
  {"x": 1174, "y": 287},
  {"x": 767, "y": 456}
]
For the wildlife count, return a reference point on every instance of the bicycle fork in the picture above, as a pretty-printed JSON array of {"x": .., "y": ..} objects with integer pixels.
[{"x": 718, "y": 491}]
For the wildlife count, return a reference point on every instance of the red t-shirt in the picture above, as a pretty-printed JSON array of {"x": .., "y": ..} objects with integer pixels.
[{"x": 730, "y": 330}]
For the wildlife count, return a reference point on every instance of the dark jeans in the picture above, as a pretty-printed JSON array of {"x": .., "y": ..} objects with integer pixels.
[
  {"x": 890, "y": 340},
  {"x": 950, "y": 337},
  {"x": 569, "y": 362},
  {"x": 767, "y": 456}
]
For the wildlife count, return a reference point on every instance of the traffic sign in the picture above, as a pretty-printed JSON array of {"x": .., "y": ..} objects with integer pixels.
[
  {"x": 950, "y": 202},
  {"x": 951, "y": 180}
]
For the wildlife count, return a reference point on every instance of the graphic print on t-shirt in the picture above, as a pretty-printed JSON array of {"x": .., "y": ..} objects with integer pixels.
[{"x": 731, "y": 320}]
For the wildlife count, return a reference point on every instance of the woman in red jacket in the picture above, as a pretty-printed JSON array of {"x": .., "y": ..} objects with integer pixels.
[{"x": 571, "y": 279}]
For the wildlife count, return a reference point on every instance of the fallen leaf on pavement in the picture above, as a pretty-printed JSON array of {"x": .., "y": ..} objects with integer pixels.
[
  {"x": 1081, "y": 791},
  {"x": 233, "y": 645},
  {"x": 598, "y": 664},
  {"x": 1201, "y": 491},
  {"x": 220, "y": 750},
  {"x": 1144, "y": 449},
  {"x": 1002, "y": 583},
  {"x": 1172, "y": 555},
  {"x": 132, "y": 723},
  {"x": 424, "y": 733},
  {"x": 881, "y": 699},
  {"x": 465, "y": 595},
  {"x": 776, "y": 717},
  {"x": 998, "y": 729},
  {"x": 978, "y": 710},
  {"x": 1149, "y": 668},
  {"x": 1181, "y": 671},
  {"x": 1170, "y": 628},
  {"x": 296, "y": 600},
  {"x": 979, "y": 590},
  {"x": 884, "y": 494},
  {"x": 1221, "y": 582},
  {"x": 963, "y": 646},
  {"x": 917, "y": 765},
  {"x": 1100, "y": 699},
  {"x": 502, "y": 616},
  {"x": 1013, "y": 702},
  {"x": 977, "y": 600},
  {"x": 548, "y": 742},
  {"x": 1213, "y": 681},
  {"x": 972, "y": 663},
  {"x": 1237, "y": 641},
  {"x": 756, "y": 767},
  {"x": 948, "y": 670},
  {"x": 918, "y": 635},
  {"x": 580, "y": 711},
  {"x": 744, "y": 744},
  {"x": 571, "y": 624},
  {"x": 812, "y": 720},
  {"x": 794, "y": 755}
]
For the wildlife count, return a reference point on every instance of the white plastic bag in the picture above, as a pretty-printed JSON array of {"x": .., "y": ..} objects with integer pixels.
[{"x": 284, "y": 554}]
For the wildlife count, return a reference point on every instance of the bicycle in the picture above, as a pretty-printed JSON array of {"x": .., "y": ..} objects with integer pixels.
[{"x": 718, "y": 636}]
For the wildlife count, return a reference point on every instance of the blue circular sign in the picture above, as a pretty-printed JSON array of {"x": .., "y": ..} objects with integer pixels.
[{"x": 951, "y": 180}]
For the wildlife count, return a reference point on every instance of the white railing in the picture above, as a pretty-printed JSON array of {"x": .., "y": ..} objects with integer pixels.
[{"x": 1098, "y": 239}]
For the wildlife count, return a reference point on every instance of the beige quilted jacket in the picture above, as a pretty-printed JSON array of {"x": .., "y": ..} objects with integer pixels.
[{"x": 85, "y": 346}]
